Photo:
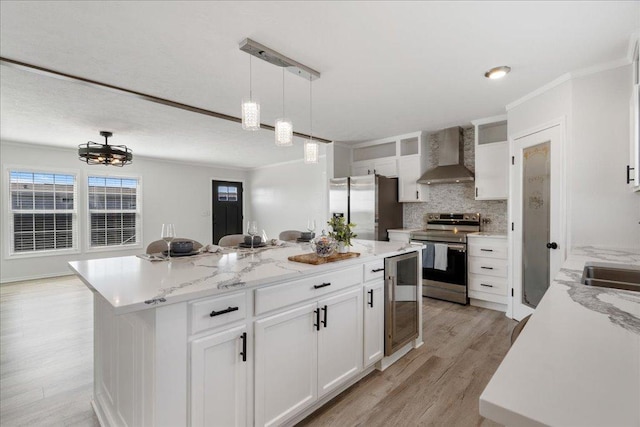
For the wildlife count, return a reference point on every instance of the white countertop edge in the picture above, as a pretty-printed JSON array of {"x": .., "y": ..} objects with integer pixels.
[
  {"x": 310, "y": 271},
  {"x": 487, "y": 234}
]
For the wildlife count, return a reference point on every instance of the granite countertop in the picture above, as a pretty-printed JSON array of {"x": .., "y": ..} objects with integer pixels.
[
  {"x": 577, "y": 361},
  {"x": 132, "y": 283}
]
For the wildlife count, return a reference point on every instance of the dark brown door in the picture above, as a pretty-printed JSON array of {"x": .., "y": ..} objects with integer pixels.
[{"x": 226, "y": 208}]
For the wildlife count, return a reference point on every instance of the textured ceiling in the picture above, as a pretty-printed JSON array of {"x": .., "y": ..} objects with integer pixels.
[{"x": 387, "y": 67}]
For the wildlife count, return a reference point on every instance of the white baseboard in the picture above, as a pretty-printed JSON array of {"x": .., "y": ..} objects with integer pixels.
[
  {"x": 488, "y": 304},
  {"x": 36, "y": 277}
]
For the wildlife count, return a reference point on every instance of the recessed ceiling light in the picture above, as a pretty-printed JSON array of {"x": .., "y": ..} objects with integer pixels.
[{"x": 497, "y": 72}]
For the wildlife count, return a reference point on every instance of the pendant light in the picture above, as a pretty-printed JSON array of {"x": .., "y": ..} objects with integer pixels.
[
  {"x": 93, "y": 153},
  {"x": 250, "y": 108},
  {"x": 284, "y": 128},
  {"x": 311, "y": 147}
]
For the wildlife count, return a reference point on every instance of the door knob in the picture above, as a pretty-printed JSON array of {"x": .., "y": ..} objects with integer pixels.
[{"x": 552, "y": 245}]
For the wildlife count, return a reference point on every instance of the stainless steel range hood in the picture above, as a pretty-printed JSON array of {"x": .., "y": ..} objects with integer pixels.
[{"x": 450, "y": 167}]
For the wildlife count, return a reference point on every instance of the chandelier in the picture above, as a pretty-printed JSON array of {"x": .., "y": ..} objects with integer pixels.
[{"x": 93, "y": 153}]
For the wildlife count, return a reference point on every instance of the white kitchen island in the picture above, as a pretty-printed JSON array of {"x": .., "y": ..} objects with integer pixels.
[
  {"x": 577, "y": 360},
  {"x": 234, "y": 338}
]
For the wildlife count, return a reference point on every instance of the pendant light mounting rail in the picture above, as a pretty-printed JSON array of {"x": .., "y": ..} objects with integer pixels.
[
  {"x": 131, "y": 93},
  {"x": 272, "y": 57}
]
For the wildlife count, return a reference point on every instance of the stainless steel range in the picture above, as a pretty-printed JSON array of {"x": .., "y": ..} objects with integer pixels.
[{"x": 444, "y": 260}]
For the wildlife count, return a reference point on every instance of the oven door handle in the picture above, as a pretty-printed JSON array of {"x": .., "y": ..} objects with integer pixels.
[{"x": 460, "y": 248}]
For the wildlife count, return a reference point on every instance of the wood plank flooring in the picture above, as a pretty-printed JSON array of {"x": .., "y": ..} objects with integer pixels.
[
  {"x": 46, "y": 364},
  {"x": 437, "y": 384},
  {"x": 46, "y": 353}
]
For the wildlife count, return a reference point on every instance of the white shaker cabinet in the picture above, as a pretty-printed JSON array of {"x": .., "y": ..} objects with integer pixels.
[
  {"x": 219, "y": 388},
  {"x": 374, "y": 321},
  {"x": 491, "y": 158},
  {"x": 384, "y": 167},
  {"x": 304, "y": 353},
  {"x": 633, "y": 168},
  {"x": 339, "y": 339},
  {"x": 286, "y": 363},
  {"x": 487, "y": 267},
  {"x": 409, "y": 171}
]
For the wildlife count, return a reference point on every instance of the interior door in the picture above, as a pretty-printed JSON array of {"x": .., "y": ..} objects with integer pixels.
[
  {"x": 226, "y": 206},
  {"x": 538, "y": 243}
]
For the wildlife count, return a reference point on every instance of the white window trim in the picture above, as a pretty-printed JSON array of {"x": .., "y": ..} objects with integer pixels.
[
  {"x": 87, "y": 215},
  {"x": 6, "y": 196}
]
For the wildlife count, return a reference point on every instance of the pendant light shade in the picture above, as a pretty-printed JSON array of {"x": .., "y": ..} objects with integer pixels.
[
  {"x": 250, "y": 114},
  {"x": 250, "y": 108},
  {"x": 284, "y": 127},
  {"x": 284, "y": 132},
  {"x": 311, "y": 151},
  {"x": 93, "y": 153},
  {"x": 311, "y": 147}
]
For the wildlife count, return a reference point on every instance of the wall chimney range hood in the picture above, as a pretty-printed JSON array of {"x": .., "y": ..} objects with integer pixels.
[{"x": 450, "y": 167}]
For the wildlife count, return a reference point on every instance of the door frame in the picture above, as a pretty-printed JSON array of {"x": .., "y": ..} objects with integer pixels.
[
  {"x": 210, "y": 208},
  {"x": 515, "y": 236}
]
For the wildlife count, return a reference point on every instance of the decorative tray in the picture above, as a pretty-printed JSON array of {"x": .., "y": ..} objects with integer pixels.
[{"x": 314, "y": 259}]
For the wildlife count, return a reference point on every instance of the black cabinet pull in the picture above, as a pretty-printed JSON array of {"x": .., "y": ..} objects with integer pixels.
[
  {"x": 317, "y": 324},
  {"x": 629, "y": 179},
  {"x": 218, "y": 313},
  {"x": 476, "y": 191},
  {"x": 486, "y": 250},
  {"x": 375, "y": 270},
  {"x": 324, "y": 321},
  {"x": 487, "y": 268},
  {"x": 243, "y": 353},
  {"x": 370, "y": 302},
  {"x": 485, "y": 285},
  {"x": 417, "y": 196},
  {"x": 321, "y": 286},
  {"x": 368, "y": 172},
  {"x": 552, "y": 245}
]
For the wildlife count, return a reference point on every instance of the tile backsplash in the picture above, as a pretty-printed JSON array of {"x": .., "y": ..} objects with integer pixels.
[{"x": 456, "y": 197}]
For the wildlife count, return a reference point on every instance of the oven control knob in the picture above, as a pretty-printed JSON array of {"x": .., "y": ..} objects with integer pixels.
[{"x": 466, "y": 217}]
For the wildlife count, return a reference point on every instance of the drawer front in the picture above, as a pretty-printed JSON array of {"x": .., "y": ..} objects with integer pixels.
[
  {"x": 488, "y": 266},
  {"x": 278, "y": 296},
  {"x": 374, "y": 270},
  {"x": 488, "y": 284},
  {"x": 488, "y": 250},
  {"x": 214, "y": 312}
]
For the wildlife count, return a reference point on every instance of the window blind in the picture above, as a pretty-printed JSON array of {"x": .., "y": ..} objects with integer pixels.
[
  {"x": 113, "y": 211},
  {"x": 42, "y": 211}
]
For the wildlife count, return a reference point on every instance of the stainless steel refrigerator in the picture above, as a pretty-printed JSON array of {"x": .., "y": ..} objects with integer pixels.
[{"x": 369, "y": 201}]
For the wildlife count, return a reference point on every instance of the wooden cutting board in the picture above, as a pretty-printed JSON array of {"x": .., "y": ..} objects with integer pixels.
[{"x": 314, "y": 259}]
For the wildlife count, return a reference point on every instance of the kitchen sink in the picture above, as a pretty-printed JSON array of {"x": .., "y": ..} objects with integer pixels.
[{"x": 608, "y": 275}]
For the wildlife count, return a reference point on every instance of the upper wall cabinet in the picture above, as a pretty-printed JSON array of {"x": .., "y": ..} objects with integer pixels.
[
  {"x": 633, "y": 168},
  {"x": 492, "y": 158},
  {"x": 402, "y": 156}
]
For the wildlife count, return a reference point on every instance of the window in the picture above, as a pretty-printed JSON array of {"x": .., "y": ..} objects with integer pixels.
[
  {"x": 227, "y": 193},
  {"x": 113, "y": 211},
  {"x": 43, "y": 211}
]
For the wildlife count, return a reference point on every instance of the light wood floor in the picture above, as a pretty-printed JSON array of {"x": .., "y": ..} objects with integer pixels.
[{"x": 46, "y": 364}]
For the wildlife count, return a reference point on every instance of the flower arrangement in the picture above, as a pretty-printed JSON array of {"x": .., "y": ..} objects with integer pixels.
[{"x": 342, "y": 232}]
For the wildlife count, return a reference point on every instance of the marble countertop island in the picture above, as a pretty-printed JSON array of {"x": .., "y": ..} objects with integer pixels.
[
  {"x": 131, "y": 283},
  {"x": 577, "y": 361}
]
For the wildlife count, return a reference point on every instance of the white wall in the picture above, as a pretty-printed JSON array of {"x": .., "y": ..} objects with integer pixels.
[
  {"x": 284, "y": 196},
  {"x": 171, "y": 192},
  {"x": 604, "y": 211},
  {"x": 596, "y": 110}
]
